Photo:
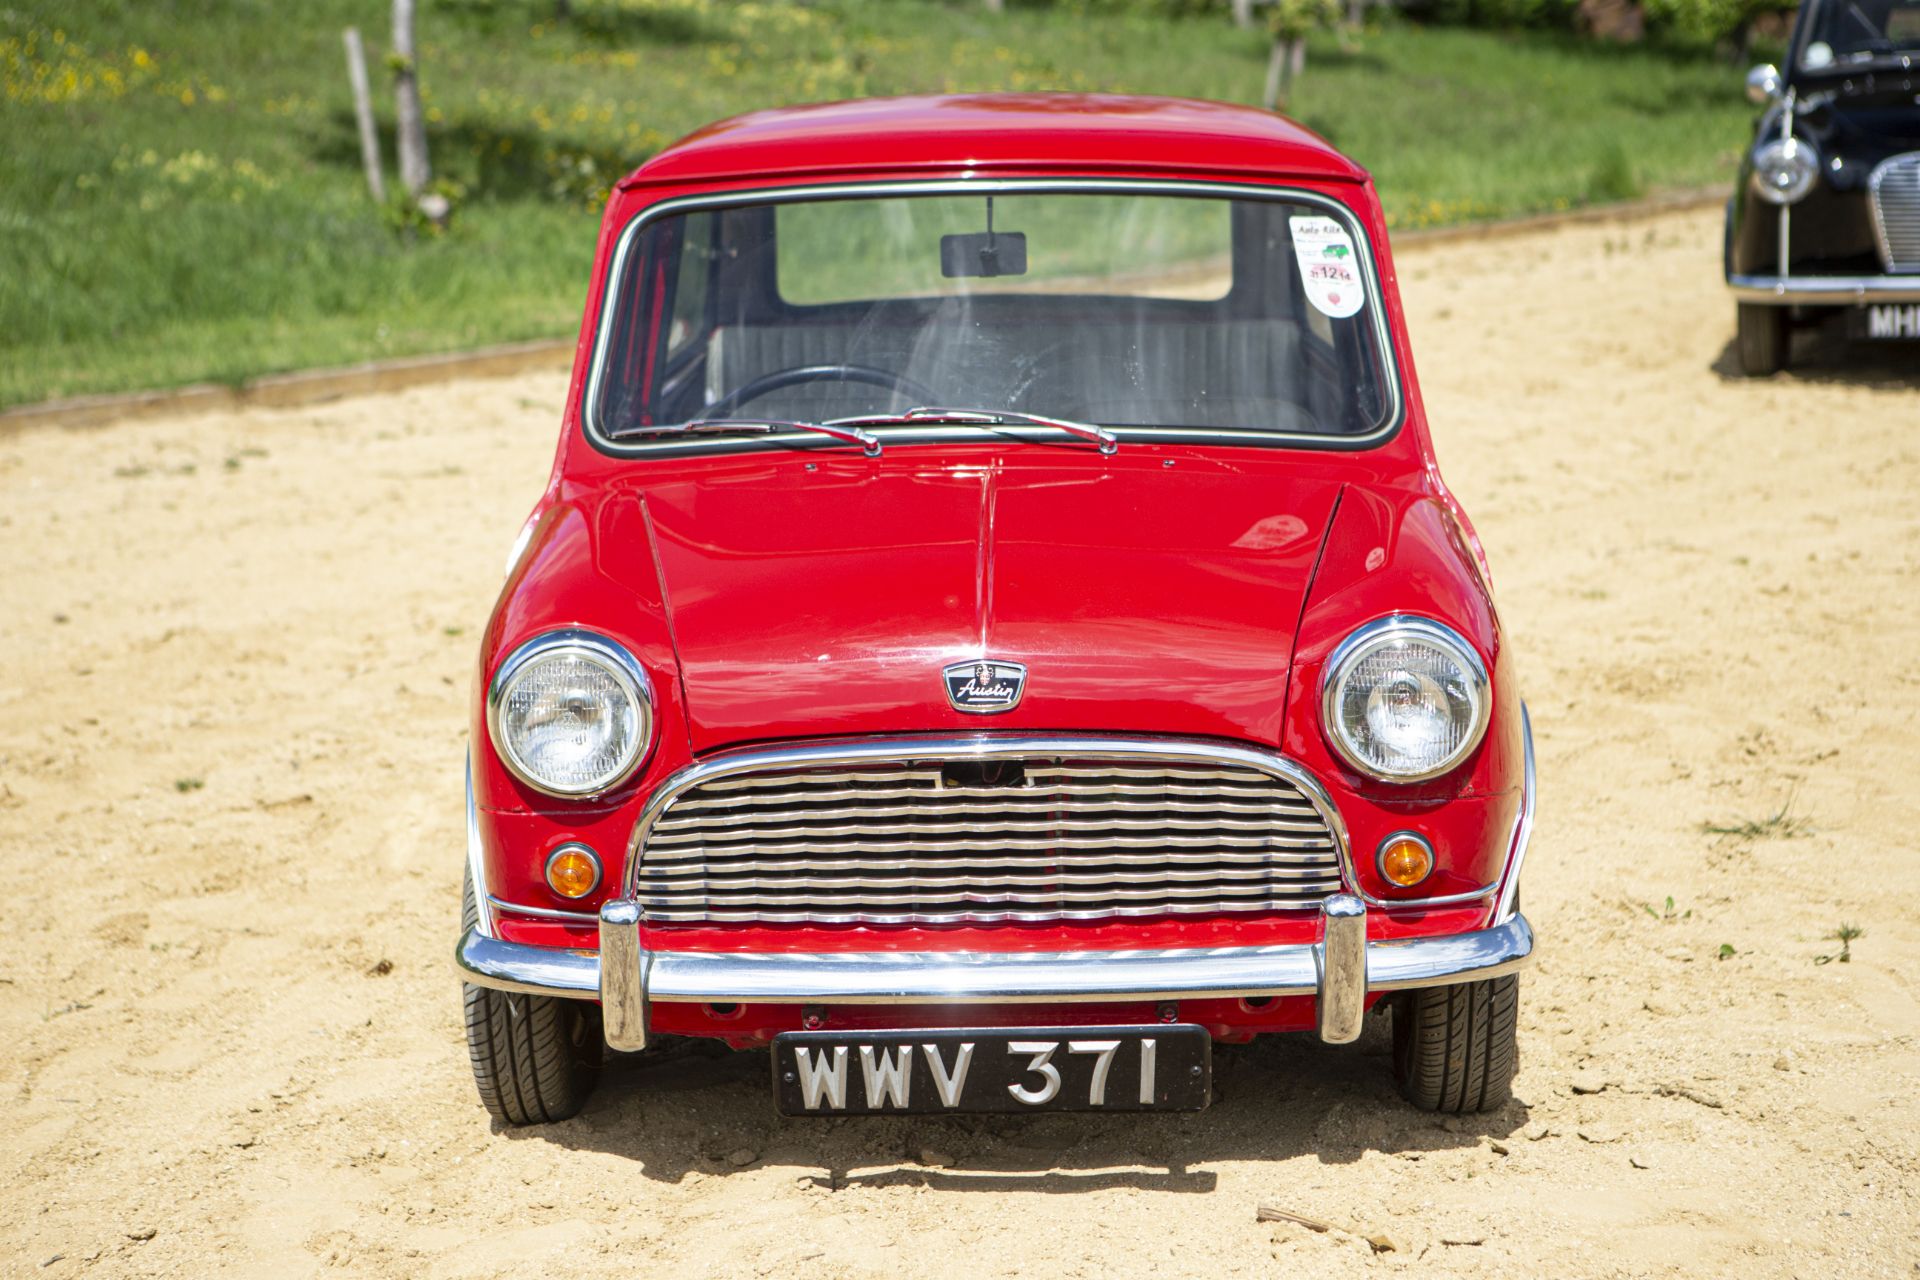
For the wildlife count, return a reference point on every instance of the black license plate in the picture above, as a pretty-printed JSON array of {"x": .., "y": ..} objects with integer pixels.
[
  {"x": 1165, "y": 1067},
  {"x": 1895, "y": 321}
]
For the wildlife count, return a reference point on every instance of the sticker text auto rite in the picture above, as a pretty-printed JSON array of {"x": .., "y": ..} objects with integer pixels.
[{"x": 1329, "y": 268}]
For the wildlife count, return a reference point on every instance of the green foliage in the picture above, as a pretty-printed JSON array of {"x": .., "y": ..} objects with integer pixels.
[
  {"x": 1846, "y": 935},
  {"x": 1708, "y": 21},
  {"x": 1297, "y": 19},
  {"x": 181, "y": 197},
  {"x": 1550, "y": 14}
]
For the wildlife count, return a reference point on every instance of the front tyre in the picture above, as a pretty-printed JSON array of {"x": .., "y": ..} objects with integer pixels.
[
  {"x": 1762, "y": 338},
  {"x": 535, "y": 1058},
  {"x": 1455, "y": 1048}
]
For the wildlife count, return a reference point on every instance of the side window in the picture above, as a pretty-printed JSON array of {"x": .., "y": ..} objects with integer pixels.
[{"x": 692, "y": 277}]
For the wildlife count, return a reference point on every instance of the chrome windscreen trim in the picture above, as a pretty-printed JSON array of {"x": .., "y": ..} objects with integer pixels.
[
  {"x": 1824, "y": 291},
  {"x": 1391, "y": 421},
  {"x": 983, "y": 747}
]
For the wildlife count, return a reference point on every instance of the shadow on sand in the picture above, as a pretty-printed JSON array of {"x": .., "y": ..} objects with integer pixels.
[
  {"x": 1823, "y": 353},
  {"x": 698, "y": 1107}
]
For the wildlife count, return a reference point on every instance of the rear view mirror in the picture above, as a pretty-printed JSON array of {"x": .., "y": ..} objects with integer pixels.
[{"x": 983, "y": 253}]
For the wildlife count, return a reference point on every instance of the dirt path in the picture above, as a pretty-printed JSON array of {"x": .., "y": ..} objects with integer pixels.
[{"x": 234, "y": 658}]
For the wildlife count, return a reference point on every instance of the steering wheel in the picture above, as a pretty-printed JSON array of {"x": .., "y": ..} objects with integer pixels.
[{"x": 780, "y": 379}]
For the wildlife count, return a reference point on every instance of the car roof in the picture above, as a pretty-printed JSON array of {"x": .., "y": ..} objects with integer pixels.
[{"x": 1019, "y": 132}]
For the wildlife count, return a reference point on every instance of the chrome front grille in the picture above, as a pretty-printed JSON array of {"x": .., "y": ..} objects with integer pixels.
[
  {"x": 936, "y": 840},
  {"x": 1895, "y": 188}
]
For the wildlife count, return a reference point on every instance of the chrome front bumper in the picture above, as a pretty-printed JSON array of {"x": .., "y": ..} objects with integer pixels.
[
  {"x": 1339, "y": 970},
  {"x": 1825, "y": 291}
]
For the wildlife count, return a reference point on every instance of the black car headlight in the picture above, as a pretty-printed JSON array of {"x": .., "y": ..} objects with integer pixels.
[{"x": 1784, "y": 170}]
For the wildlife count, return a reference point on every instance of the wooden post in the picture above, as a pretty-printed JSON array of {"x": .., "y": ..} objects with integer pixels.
[
  {"x": 410, "y": 126},
  {"x": 363, "y": 113}
]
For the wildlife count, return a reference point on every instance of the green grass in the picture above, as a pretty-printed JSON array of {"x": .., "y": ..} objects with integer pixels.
[{"x": 181, "y": 198}]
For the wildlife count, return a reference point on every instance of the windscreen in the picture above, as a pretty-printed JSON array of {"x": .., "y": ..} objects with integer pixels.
[
  {"x": 1849, "y": 32},
  {"x": 1126, "y": 310}
]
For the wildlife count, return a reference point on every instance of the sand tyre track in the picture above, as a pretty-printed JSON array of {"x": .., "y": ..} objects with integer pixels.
[
  {"x": 535, "y": 1059},
  {"x": 1455, "y": 1048}
]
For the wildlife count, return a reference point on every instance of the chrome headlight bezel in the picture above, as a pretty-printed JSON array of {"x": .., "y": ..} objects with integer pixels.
[
  {"x": 1794, "y": 156},
  {"x": 1380, "y": 634},
  {"x": 625, "y": 671}
]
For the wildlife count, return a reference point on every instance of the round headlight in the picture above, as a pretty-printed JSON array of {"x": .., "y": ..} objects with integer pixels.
[
  {"x": 1405, "y": 699},
  {"x": 1784, "y": 170},
  {"x": 571, "y": 713}
]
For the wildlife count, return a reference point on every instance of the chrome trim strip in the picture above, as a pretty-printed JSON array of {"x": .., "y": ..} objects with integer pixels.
[
  {"x": 616, "y": 272},
  {"x": 476, "y": 860},
  {"x": 1341, "y": 959},
  {"x": 982, "y": 747},
  {"x": 1509, "y": 902},
  {"x": 617, "y": 662},
  {"x": 1836, "y": 291},
  {"x": 544, "y": 913},
  {"x": 1384, "y": 631}
]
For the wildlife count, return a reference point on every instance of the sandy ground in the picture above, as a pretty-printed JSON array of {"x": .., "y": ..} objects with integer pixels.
[{"x": 234, "y": 659}]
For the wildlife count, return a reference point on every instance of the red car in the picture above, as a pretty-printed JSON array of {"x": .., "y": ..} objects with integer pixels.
[{"x": 995, "y": 628}]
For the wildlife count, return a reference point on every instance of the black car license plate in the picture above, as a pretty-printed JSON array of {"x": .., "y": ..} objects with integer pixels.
[
  {"x": 1165, "y": 1067},
  {"x": 1896, "y": 321}
]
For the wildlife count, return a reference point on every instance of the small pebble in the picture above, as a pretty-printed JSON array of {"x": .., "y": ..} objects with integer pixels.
[
  {"x": 742, "y": 1157},
  {"x": 935, "y": 1158},
  {"x": 1382, "y": 1242},
  {"x": 1588, "y": 1082},
  {"x": 143, "y": 1233},
  {"x": 1639, "y": 1161},
  {"x": 1498, "y": 1148},
  {"x": 1535, "y": 1132}
]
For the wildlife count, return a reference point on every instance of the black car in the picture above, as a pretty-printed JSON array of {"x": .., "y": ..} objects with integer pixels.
[{"x": 1826, "y": 213}]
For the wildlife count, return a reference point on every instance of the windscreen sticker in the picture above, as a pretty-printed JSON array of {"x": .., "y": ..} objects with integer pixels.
[{"x": 1329, "y": 268}]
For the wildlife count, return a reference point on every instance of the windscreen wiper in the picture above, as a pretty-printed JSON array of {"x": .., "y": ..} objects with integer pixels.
[
  {"x": 848, "y": 431},
  {"x": 1107, "y": 441}
]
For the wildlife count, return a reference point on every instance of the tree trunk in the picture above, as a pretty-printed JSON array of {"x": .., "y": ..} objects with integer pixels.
[
  {"x": 1243, "y": 14},
  {"x": 1296, "y": 63},
  {"x": 410, "y": 125},
  {"x": 363, "y": 112},
  {"x": 996, "y": 6},
  {"x": 1276, "y": 69},
  {"x": 1356, "y": 13}
]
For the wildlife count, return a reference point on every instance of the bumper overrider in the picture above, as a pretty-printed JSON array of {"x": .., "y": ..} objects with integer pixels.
[{"x": 1339, "y": 970}]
